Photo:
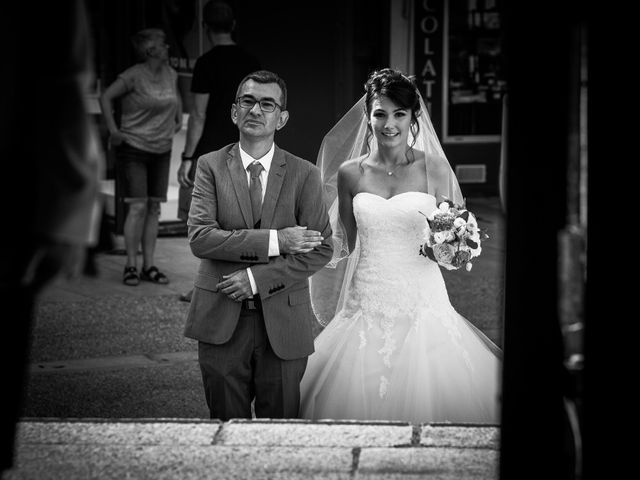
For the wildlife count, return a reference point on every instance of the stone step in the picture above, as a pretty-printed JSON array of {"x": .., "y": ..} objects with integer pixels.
[{"x": 186, "y": 449}]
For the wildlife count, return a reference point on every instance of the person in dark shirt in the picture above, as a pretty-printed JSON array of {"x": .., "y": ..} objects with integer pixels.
[{"x": 216, "y": 76}]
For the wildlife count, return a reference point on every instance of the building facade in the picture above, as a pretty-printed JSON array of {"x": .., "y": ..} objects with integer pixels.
[{"x": 325, "y": 51}]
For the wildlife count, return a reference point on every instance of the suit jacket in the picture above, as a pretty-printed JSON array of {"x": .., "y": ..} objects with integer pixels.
[{"x": 220, "y": 233}]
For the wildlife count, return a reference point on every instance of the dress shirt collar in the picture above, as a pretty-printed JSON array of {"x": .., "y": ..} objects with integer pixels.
[{"x": 265, "y": 160}]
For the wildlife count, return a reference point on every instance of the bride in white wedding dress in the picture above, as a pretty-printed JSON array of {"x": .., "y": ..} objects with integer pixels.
[{"x": 395, "y": 349}]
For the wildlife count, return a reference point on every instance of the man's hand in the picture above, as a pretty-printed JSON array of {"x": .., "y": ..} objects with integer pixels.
[
  {"x": 236, "y": 285},
  {"x": 183, "y": 174},
  {"x": 298, "y": 239}
]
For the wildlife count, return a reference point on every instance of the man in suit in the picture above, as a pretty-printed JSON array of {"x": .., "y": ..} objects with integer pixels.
[{"x": 261, "y": 231}]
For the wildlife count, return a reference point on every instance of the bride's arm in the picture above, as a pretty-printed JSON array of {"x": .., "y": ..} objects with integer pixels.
[
  {"x": 442, "y": 182},
  {"x": 347, "y": 183}
]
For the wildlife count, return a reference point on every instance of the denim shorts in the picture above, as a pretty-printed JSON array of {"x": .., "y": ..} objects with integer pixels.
[{"x": 144, "y": 175}]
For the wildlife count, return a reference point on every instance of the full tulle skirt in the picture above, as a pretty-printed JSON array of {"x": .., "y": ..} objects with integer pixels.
[{"x": 434, "y": 373}]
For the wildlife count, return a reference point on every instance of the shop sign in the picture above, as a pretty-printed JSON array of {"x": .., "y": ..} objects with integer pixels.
[{"x": 428, "y": 28}]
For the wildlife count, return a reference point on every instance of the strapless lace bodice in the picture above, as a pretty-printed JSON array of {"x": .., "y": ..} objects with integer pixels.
[
  {"x": 391, "y": 230},
  {"x": 391, "y": 273}
]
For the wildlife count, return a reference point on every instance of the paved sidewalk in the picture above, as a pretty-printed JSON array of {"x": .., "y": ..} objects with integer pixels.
[{"x": 295, "y": 449}]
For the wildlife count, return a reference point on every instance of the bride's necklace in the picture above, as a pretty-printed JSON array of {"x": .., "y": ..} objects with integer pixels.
[{"x": 392, "y": 171}]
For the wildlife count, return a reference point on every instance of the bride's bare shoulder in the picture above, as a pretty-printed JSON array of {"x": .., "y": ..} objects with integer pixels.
[
  {"x": 352, "y": 163},
  {"x": 349, "y": 174},
  {"x": 437, "y": 165},
  {"x": 351, "y": 167}
]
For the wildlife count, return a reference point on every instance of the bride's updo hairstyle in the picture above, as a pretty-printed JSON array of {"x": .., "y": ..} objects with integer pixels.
[{"x": 402, "y": 91}]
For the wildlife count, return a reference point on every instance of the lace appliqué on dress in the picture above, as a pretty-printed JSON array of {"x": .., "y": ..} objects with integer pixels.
[
  {"x": 363, "y": 340},
  {"x": 384, "y": 384}
]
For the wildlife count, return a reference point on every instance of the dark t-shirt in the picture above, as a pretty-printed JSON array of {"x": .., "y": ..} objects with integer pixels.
[{"x": 218, "y": 73}]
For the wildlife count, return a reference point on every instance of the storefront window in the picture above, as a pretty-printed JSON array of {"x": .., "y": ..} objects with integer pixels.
[{"x": 473, "y": 62}]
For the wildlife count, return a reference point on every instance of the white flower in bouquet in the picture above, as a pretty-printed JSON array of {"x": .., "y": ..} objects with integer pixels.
[
  {"x": 444, "y": 207},
  {"x": 460, "y": 225},
  {"x": 460, "y": 222},
  {"x": 442, "y": 237}
]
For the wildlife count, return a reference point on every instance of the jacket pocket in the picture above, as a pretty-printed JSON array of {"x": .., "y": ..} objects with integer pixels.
[
  {"x": 206, "y": 282},
  {"x": 299, "y": 297}
]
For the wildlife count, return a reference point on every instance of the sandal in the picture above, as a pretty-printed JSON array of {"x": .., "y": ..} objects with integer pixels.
[
  {"x": 154, "y": 275},
  {"x": 130, "y": 276}
]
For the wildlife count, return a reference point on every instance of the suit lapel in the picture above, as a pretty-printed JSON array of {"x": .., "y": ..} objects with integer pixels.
[
  {"x": 274, "y": 184},
  {"x": 240, "y": 185}
]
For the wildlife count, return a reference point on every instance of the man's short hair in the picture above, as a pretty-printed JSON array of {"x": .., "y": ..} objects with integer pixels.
[
  {"x": 218, "y": 16},
  {"x": 265, "y": 76}
]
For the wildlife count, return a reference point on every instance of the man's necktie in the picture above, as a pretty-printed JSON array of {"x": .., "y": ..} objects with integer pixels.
[{"x": 255, "y": 190}]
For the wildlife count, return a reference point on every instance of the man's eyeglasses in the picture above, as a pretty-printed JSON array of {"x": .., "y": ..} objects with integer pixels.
[{"x": 266, "y": 105}]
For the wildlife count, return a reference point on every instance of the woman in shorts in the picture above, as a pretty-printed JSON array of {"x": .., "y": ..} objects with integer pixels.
[{"x": 151, "y": 114}]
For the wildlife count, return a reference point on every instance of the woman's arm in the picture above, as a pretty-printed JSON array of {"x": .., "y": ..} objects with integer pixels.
[
  {"x": 179, "y": 107},
  {"x": 347, "y": 183},
  {"x": 113, "y": 91},
  {"x": 195, "y": 126},
  {"x": 442, "y": 180}
]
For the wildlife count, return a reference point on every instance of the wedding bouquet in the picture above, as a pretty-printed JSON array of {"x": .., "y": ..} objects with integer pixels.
[{"x": 453, "y": 237}]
